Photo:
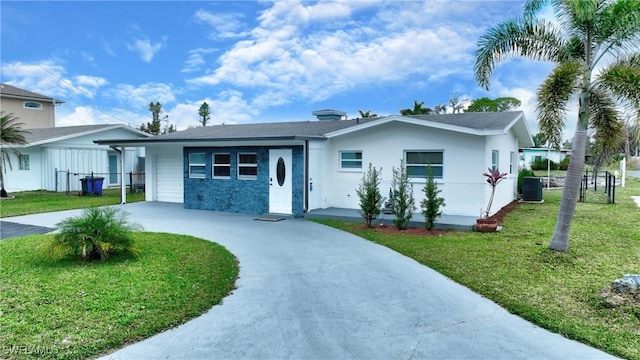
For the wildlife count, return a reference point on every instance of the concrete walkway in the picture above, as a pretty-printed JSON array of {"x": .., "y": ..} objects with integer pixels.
[{"x": 307, "y": 291}]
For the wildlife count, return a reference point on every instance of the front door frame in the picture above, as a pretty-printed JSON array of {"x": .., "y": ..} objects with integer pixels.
[{"x": 281, "y": 192}]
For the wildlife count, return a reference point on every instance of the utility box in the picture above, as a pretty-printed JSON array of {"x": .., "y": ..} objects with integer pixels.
[{"x": 531, "y": 189}]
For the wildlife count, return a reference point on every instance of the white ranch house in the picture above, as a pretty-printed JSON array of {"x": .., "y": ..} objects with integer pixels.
[{"x": 297, "y": 167}]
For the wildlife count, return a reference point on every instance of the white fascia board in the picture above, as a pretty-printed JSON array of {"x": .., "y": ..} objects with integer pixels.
[{"x": 71, "y": 136}]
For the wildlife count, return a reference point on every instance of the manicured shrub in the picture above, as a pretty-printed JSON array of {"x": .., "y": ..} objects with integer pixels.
[
  {"x": 522, "y": 174},
  {"x": 96, "y": 234},
  {"x": 369, "y": 194},
  {"x": 541, "y": 164},
  {"x": 564, "y": 164},
  {"x": 431, "y": 204},
  {"x": 403, "y": 202}
]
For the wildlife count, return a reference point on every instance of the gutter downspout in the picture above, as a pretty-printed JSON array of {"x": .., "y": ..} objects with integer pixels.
[
  {"x": 123, "y": 189},
  {"x": 306, "y": 176}
]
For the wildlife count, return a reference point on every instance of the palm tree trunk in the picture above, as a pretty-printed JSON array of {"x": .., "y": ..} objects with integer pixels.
[
  {"x": 570, "y": 194},
  {"x": 571, "y": 191}
]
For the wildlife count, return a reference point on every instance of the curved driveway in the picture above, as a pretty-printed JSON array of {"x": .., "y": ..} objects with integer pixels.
[{"x": 307, "y": 291}]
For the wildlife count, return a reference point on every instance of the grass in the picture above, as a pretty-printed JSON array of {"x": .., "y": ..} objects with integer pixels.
[
  {"x": 557, "y": 291},
  {"x": 33, "y": 202},
  {"x": 68, "y": 309}
]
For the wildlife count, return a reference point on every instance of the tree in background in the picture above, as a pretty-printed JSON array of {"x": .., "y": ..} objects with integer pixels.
[
  {"x": 440, "y": 109},
  {"x": 484, "y": 104},
  {"x": 154, "y": 126},
  {"x": 418, "y": 109},
  {"x": 366, "y": 114},
  {"x": 456, "y": 103},
  {"x": 11, "y": 134},
  {"x": 539, "y": 140},
  {"x": 586, "y": 32},
  {"x": 205, "y": 113}
]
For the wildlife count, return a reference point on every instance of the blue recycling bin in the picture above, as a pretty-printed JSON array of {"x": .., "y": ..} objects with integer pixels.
[
  {"x": 96, "y": 186},
  {"x": 87, "y": 185}
]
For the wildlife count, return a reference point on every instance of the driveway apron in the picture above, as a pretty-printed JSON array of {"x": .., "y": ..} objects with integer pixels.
[{"x": 307, "y": 291}]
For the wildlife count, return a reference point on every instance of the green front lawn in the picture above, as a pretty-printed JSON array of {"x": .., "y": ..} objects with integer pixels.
[
  {"x": 67, "y": 309},
  {"x": 33, "y": 202},
  {"x": 559, "y": 292}
]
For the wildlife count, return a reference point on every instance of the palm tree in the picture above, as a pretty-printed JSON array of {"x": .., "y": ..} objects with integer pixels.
[
  {"x": 418, "y": 109},
  {"x": 594, "y": 46},
  {"x": 11, "y": 133},
  {"x": 366, "y": 114}
]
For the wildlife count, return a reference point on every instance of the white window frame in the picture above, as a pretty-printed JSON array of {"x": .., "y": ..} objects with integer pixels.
[
  {"x": 342, "y": 160},
  {"x": 193, "y": 165},
  {"x": 495, "y": 160},
  {"x": 512, "y": 162},
  {"x": 433, "y": 166},
  {"x": 247, "y": 165},
  {"x": 215, "y": 165},
  {"x": 26, "y": 105},
  {"x": 23, "y": 160}
]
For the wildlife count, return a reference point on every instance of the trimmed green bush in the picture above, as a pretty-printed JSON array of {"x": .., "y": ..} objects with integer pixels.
[
  {"x": 96, "y": 234},
  {"x": 369, "y": 194},
  {"x": 564, "y": 164},
  {"x": 431, "y": 204},
  {"x": 403, "y": 202},
  {"x": 522, "y": 174},
  {"x": 541, "y": 164}
]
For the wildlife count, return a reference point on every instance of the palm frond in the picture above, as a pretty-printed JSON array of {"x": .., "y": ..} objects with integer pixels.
[
  {"x": 553, "y": 96},
  {"x": 533, "y": 7},
  {"x": 618, "y": 23},
  {"x": 606, "y": 123},
  {"x": 577, "y": 16},
  {"x": 536, "y": 40},
  {"x": 622, "y": 79},
  {"x": 11, "y": 132}
]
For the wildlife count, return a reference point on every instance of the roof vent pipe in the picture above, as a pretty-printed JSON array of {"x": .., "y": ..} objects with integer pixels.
[{"x": 329, "y": 114}]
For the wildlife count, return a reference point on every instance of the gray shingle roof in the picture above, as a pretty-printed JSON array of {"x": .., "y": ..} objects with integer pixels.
[
  {"x": 473, "y": 122},
  {"x": 44, "y": 134},
  {"x": 7, "y": 90},
  {"x": 262, "y": 130},
  {"x": 482, "y": 121}
]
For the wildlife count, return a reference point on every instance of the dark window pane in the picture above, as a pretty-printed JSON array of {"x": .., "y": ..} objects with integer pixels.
[
  {"x": 248, "y": 171},
  {"x": 248, "y": 159},
  {"x": 222, "y": 171},
  {"x": 222, "y": 159}
]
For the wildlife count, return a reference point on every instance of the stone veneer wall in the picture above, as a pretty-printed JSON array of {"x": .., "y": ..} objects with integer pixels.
[{"x": 237, "y": 195}]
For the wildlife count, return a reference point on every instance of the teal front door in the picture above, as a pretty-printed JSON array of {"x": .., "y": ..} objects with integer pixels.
[{"x": 113, "y": 169}]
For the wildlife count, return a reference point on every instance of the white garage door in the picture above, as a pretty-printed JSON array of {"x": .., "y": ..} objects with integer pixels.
[{"x": 169, "y": 179}]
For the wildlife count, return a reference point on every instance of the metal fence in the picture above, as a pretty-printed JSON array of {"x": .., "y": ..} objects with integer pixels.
[
  {"x": 596, "y": 184},
  {"x": 69, "y": 181}
]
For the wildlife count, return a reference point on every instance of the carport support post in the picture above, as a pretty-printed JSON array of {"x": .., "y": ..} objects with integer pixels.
[{"x": 123, "y": 186}]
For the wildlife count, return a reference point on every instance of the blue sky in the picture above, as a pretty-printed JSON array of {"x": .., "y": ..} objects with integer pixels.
[{"x": 253, "y": 61}]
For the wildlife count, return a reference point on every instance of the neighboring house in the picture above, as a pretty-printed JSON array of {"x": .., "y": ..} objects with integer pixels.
[
  {"x": 295, "y": 167},
  {"x": 57, "y": 158},
  {"x": 529, "y": 155},
  {"x": 32, "y": 109}
]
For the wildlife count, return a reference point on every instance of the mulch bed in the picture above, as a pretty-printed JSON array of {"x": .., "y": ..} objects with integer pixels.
[{"x": 421, "y": 231}]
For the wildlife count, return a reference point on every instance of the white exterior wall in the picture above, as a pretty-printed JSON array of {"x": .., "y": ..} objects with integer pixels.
[
  {"x": 79, "y": 156},
  {"x": 23, "y": 180},
  {"x": 316, "y": 174},
  {"x": 462, "y": 184},
  {"x": 164, "y": 174},
  {"x": 507, "y": 189}
]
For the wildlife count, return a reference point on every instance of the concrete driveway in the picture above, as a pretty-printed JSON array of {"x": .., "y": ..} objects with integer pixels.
[{"x": 307, "y": 291}]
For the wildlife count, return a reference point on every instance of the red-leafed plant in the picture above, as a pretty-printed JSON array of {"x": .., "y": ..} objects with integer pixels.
[{"x": 493, "y": 179}]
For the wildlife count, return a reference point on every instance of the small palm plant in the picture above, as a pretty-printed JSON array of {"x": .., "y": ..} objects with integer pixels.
[
  {"x": 493, "y": 179},
  {"x": 95, "y": 235}
]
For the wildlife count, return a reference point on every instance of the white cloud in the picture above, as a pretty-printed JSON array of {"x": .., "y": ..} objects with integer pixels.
[
  {"x": 225, "y": 25},
  {"x": 139, "y": 97},
  {"x": 196, "y": 59},
  {"x": 86, "y": 115},
  {"x": 145, "y": 48},
  {"x": 49, "y": 78}
]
